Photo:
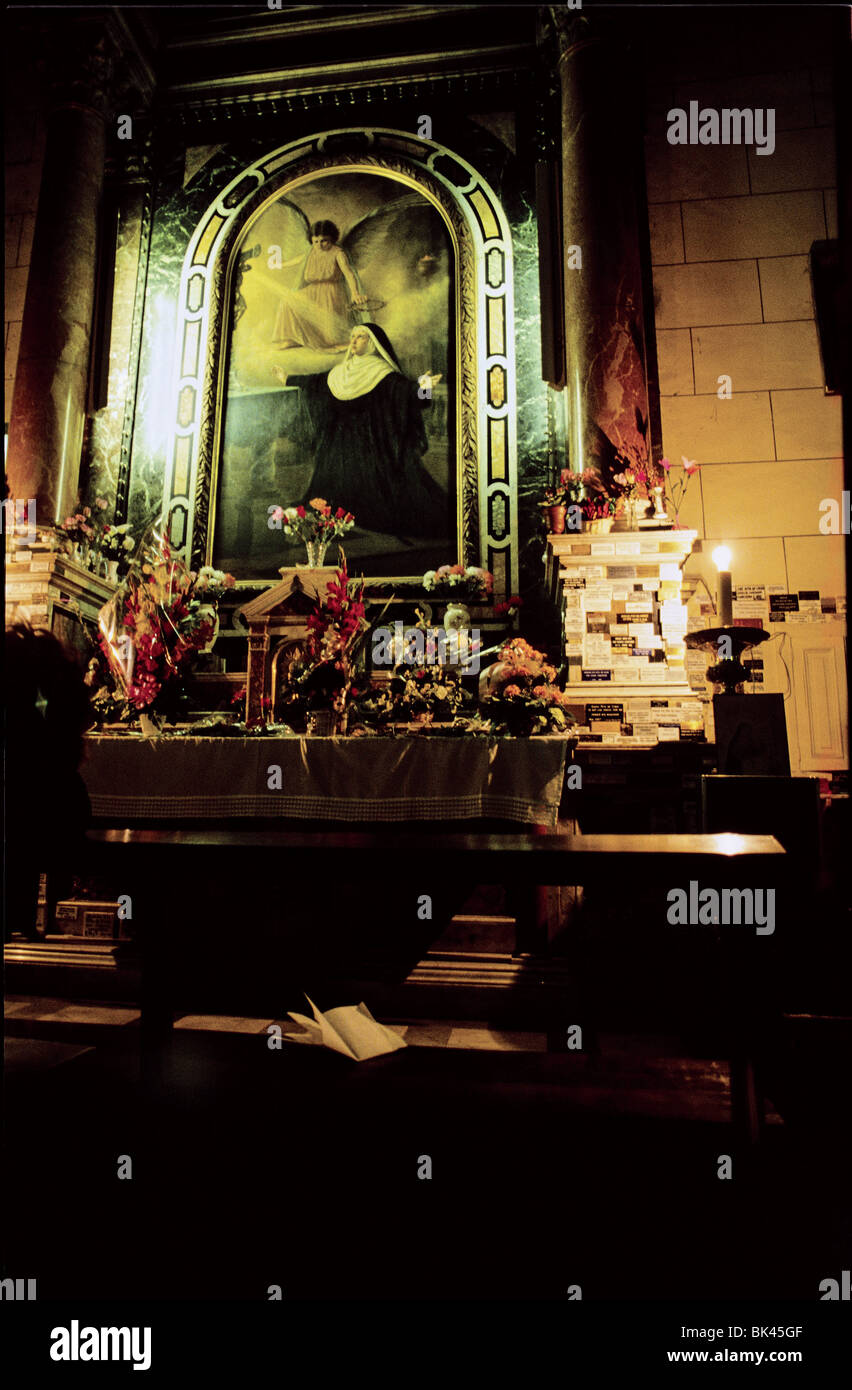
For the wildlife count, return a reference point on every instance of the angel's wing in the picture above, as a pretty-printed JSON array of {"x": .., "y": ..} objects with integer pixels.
[
  {"x": 403, "y": 256},
  {"x": 285, "y": 225},
  {"x": 409, "y": 218}
]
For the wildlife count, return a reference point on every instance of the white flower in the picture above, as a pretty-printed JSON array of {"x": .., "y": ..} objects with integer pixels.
[{"x": 429, "y": 579}]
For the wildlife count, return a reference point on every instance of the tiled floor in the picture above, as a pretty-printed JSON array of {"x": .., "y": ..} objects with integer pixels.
[{"x": 629, "y": 1074}]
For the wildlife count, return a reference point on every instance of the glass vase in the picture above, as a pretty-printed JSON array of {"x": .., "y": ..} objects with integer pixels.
[{"x": 316, "y": 553}]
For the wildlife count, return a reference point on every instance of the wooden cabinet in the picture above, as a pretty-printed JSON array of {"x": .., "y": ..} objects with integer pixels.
[{"x": 807, "y": 663}]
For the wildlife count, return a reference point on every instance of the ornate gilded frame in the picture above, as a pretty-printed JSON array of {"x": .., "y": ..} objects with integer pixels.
[{"x": 485, "y": 353}]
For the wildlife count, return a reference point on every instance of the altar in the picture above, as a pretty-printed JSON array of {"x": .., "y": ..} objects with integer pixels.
[{"x": 355, "y": 780}]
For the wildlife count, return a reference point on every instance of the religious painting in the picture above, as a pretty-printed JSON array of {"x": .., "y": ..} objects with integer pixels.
[{"x": 340, "y": 377}]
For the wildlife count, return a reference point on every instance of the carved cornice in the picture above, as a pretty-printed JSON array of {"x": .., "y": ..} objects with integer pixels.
[
  {"x": 330, "y": 92},
  {"x": 79, "y": 64}
]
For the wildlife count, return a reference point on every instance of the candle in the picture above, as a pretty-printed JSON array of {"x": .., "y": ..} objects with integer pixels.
[{"x": 722, "y": 559}]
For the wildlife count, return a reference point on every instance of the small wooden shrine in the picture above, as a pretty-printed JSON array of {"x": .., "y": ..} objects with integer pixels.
[{"x": 277, "y": 628}]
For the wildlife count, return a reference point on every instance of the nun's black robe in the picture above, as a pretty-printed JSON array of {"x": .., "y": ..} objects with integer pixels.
[{"x": 368, "y": 456}]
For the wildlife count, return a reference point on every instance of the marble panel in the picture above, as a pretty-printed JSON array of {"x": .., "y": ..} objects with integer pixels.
[
  {"x": 718, "y": 431},
  {"x": 816, "y": 562},
  {"x": 785, "y": 288},
  {"x": 773, "y": 224},
  {"x": 802, "y": 159},
  {"x": 103, "y": 454},
  {"x": 757, "y": 357},
  {"x": 16, "y": 290},
  {"x": 666, "y": 233},
  {"x": 829, "y": 197},
  {"x": 708, "y": 292},
  {"x": 674, "y": 360},
  {"x": 808, "y": 424},
  {"x": 692, "y": 171},
  {"x": 13, "y": 238},
  {"x": 790, "y": 494},
  {"x": 787, "y": 93}
]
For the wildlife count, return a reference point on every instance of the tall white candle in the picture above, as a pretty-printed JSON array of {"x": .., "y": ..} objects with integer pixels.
[{"x": 722, "y": 559}]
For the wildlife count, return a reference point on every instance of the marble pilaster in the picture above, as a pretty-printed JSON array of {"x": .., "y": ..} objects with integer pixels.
[
  {"x": 49, "y": 404},
  {"x": 604, "y": 324}
]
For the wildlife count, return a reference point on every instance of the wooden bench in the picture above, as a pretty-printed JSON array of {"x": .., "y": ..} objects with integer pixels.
[{"x": 151, "y": 863}]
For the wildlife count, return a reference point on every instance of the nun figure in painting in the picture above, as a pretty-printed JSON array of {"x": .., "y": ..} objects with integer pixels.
[{"x": 363, "y": 422}]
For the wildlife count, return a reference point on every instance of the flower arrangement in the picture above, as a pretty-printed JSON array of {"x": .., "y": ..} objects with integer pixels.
[
  {"x": 316, "y": 522},
  {"x": 675, "y": 488},
  {"x": 569, "y": 487},
  {"x": 211, "y": 583},
  {"x": 116, "y": 543},
  {"x": 322, "y": 679},
  {"x": 456, "y": 581},
  {"x": 82, "y": 527},
  {"x": 543, "y": 709},
  {"x": 432, "y": 690},
  {"x": 153, "y": 624},
  {"x": 632, "y": 482},
  {"x": 518, "y": 663},
  {"x": 512, "y": 605},
  {"x": 523, "y": 695},
  {"x": 586, "y": 490}
]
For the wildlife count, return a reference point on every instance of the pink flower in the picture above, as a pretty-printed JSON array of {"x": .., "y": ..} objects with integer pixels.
[
  {"x": 277, "y": 514},
  {"x": 689, "y": 465},
  {"x": 664, "y": 463}
]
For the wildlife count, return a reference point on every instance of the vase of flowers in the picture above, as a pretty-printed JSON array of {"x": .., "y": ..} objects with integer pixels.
[
  {"x": 210, "y": 585},
  {"x": 316, "y": 525},
  {"x": 557, "y": 513},
  {"x": 458, "y": 583},
  {"x": 675, "y": 486},
  {"x": 456, "y": 617},
  {"x": 320, "y": 682},
  {"x": 116, "y": 546},
  {"x": 316, "y": 553}
]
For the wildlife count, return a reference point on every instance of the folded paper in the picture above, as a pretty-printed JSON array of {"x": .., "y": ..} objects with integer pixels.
[{"x": 350, "y": 1030}]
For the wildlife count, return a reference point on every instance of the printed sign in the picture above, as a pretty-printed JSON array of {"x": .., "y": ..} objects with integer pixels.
[{"x": 604, "y": 711}]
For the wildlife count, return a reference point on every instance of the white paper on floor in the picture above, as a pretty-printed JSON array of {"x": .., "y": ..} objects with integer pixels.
[{"x": 350, "y": 1030}]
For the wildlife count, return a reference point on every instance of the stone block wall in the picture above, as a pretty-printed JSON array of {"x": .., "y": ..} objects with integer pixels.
[{"x": 731, "y": 230}]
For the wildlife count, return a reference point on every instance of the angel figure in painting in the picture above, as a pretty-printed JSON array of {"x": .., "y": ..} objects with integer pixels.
[
  {"x": 363, "y": 422},
  {"x": 317, "y": 313}
]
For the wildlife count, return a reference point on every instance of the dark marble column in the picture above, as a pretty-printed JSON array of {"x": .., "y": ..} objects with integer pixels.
[
  {"x": 606, "y": 378},
  {"x": 49, "y": 403}
]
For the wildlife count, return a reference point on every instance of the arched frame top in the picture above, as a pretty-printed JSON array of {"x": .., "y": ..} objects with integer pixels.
[{"x": 486, "y": 450}]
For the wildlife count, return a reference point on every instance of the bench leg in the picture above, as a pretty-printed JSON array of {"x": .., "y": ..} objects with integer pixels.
[
  {"x": 746, "y": 1100},
  {"x": 157, "y": 1016}
]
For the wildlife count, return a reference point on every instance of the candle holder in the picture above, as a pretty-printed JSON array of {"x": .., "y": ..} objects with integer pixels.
[{"x": 732, "y": 673}]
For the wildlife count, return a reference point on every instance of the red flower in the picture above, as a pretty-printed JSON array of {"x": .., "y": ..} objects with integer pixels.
[{"x": 300, "y": 511}]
